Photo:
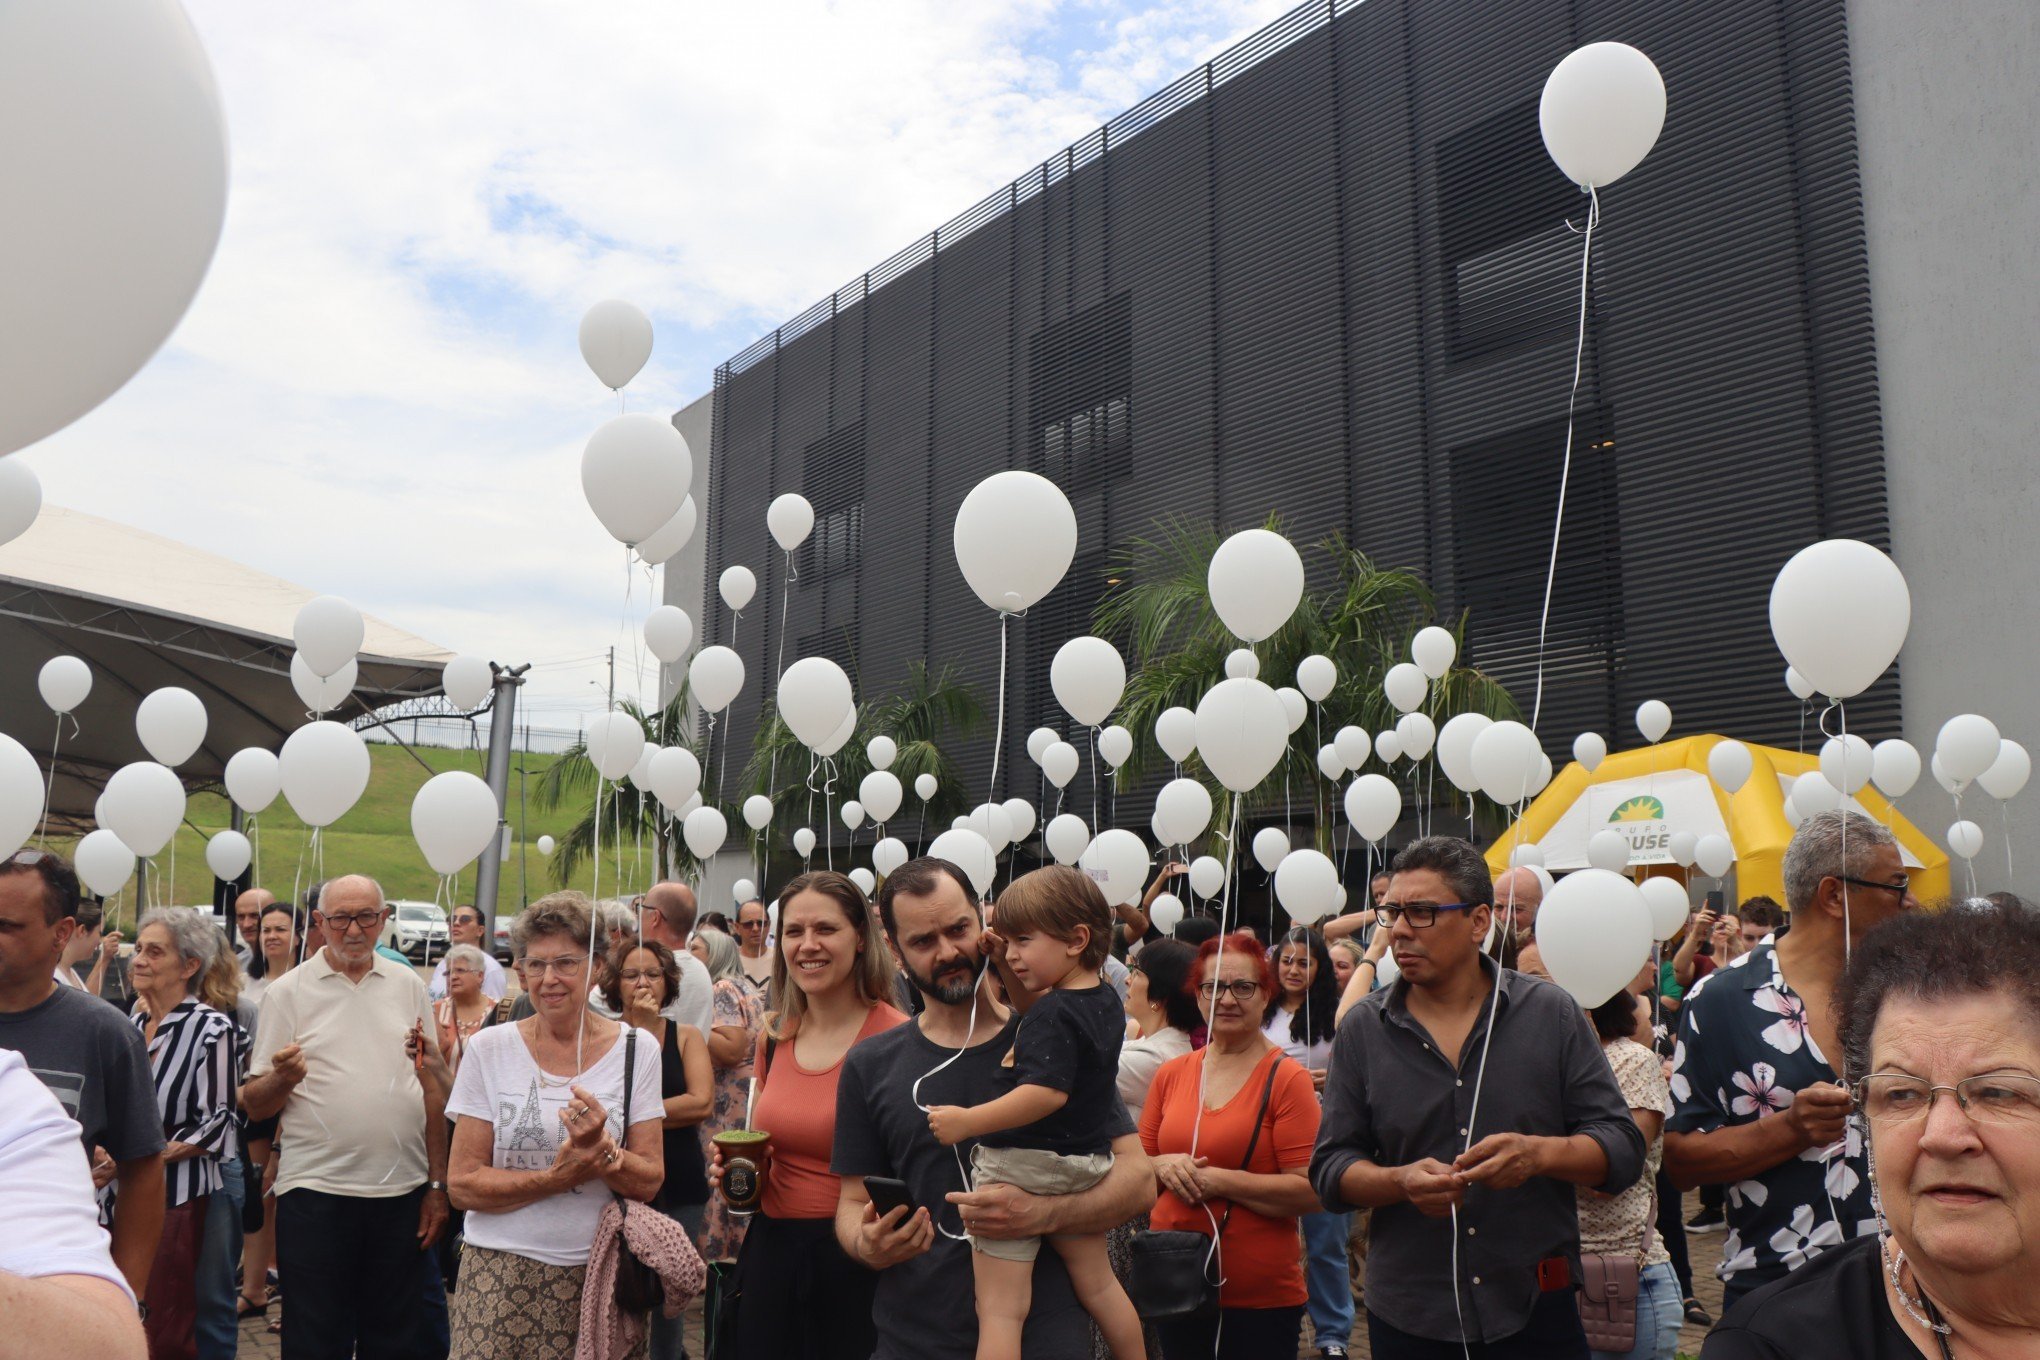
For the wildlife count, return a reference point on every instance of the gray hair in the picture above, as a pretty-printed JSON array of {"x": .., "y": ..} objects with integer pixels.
[
  {"x": 565, "y": 913},
  {"x": 724, "y": 960},
  {"x": 469, "y": 955},
  {"x": 614, "y": 918},
  {"x": 1816, "y": 852},
  {"x": 192, "y": 934}
]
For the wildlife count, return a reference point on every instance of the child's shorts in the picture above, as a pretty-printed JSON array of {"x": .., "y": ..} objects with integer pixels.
[{"x": 1038, "y": 1173}]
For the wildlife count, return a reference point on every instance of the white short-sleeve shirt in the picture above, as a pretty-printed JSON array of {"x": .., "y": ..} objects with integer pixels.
[{"x": 52, "y": 1216}]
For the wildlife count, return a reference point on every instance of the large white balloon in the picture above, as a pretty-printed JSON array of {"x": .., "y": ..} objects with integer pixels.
[
  {"x": 1176, "y": 733},
  {"x": 1589, "y": 749},
  {"x": 1182, "y": 811},
  {"x": 1118, "y": 862},
  {"x": 1594, "y": 932},
  {"x": 852, "y": 813},
  {"x": 1066, "y": 837},
  {"x": 737, "y": 585},
  {"x": 1271, "y": 844},
  {"x": 63, "y": 681},
  {"x": 1405, "y": 685},
  {"x": 635, "y": 471},
  {"x": 1608, "y": 849},
  {"x": 1967, "y": 746},
  {"x": 881, "y": 793},
  {"x": 328, "y": 631},
  {"x": 1729, "y": 764},
  {"x": 171, "y": 724},
  {"x": 1668, "y": 903},
  {"x": 668, "y": 633},
  {"x": 21, "y": 794},
  {"x": 21, "y": 498},
  {"x": 1353, "y": 746},
  {"x": 790, "y": 519},
  {"x": 704, "y": 831},
  {"x": 614, "y": 742},
  {"x": 143, "y": 804},
  {"x": 925, "y": 786},
  {"x": 1015, "y": 536},
  {"x": 2008, "y": 773},
  {"x": 324, "y": 771},
  {"x": 1504, "y": 761},
  {"x": 1307, "y": 885},
  {"x": 103, "y": 861},
  {"x": 1847, "y": 762},
  {"x": 1316, "y": 676},
  {"x": 1653, "y": 719},
  {"x": 322, "y": 695},
  {"x": 1020, "y": 816},
  {"x": 1059, "y": 762},
  {"x": 467, "y": 681},
  {"x": 1373, "y": 806},
  {"x": 1839, "y": 612},
  {"x": 1255, "y": 581},
  {"x": 714, "y": 677},
  {"x": 253, "y": 779},
  {"x": 1714, "y": 855},
  {"x": 1207, "y": 877},
  {"x": 670, "y": 537},
  {"x": 888, "y": 854},
  {"x": 970, "y": 852},
  {"x": 804, "y": 841},
  {"x": 881, "y": 752},
  {"x": 1241, "y": 732},
  {"x": 1602, "y": 110},
  {"x": 757, "y": 811},
  {"x": 675, "y": 776},
  {"x": 1417, "y": 734},
  {"x": 454, "y": 818},
  {"x": 1088, "y": 676},
  {"x": 1965, "y": 839},
  {"x": 1166, "y": 913},
  {"x": 115, "y": 157},
  {"x": 616, "y": 339},
  {"x": 814, "y": 694},
  {"x": 1434, "y": 649},
  {"x": 1894, "y": 767},
  {"x": 1455, "y": 749},
  {"x": 1115, "y": 746}
]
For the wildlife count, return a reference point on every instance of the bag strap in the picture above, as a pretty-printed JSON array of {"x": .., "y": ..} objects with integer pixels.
[
  {"x": 1649, "y": 1222},
  {"x": 1260, "y": 1118},
  {"x": 629, "y": 1073}
]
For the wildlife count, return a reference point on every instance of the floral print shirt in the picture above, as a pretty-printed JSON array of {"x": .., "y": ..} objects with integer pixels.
[{"x": 1744, "y": 1048}]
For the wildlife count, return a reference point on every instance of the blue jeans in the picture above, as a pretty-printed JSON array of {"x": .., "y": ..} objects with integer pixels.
[
  {"x": 1324, "y": 1269},
  {"x": 1659, "y": 1311},
  {"x": 218, "y": 1274},
  {"x": 668, "y": 1340}
]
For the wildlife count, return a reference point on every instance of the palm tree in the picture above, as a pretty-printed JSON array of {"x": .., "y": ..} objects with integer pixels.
[{"x": 630, "y": 816}]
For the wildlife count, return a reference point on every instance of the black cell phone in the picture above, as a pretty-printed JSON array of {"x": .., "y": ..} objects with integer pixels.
[{"x": 888, "y": 1194}]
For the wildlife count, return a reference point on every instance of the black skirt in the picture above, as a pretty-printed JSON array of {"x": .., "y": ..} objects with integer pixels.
[{"x": 799, "y": 1297}]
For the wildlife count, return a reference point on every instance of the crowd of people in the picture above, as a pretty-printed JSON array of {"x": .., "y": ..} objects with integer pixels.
[{"x": 1032, "y": 1127}]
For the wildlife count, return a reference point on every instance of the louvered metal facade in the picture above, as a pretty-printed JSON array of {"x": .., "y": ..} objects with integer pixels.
[{"x": 1333, "y": 275}]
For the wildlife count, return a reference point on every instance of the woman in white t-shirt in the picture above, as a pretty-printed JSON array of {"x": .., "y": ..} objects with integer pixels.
[
  {"x": 540, "y": 1146},
  {"x": 1301, "y": 1021}
]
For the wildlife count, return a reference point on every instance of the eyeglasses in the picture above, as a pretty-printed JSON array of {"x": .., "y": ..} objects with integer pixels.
[
  {"x": 346, "y": 921},
  {"x": 467, "y": 920},
  {"x": 1420, "y": 914},
  {"x": 1893, "y": 1098},
  {"x": 1242, "y": 989},
  {"x": 463, "y": 972},
  {"x": 750, "y": 925},
  {"x": 565, "y": 967},
  {"x": 639, "y": 975},
  {"x": 1901, "y": 888}
]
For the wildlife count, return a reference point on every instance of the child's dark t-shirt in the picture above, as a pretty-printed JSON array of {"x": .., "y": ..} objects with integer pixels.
[{"x": 1068, "y": 1041}]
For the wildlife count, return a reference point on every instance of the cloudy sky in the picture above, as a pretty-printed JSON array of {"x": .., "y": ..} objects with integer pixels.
[{"x": 378, "y": 391}]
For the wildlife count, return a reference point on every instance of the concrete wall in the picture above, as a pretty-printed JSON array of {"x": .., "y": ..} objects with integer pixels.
[{"x": 1947, "y": 97}]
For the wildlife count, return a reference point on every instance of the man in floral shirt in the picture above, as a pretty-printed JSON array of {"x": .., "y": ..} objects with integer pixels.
[{"x": 1758, "y": 1107}]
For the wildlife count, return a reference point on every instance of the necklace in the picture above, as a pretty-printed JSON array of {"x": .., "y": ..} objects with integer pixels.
[{"x": 1917, "y": 1306}]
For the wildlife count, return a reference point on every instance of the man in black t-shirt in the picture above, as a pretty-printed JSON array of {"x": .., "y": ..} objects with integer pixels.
[{"x": 925, "y": 1306}]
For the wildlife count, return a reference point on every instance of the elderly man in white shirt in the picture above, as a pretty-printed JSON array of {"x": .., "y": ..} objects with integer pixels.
[{"x": 465, "y": 927}]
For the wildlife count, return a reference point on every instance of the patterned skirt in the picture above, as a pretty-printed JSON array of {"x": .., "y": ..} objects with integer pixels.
[{"x": 510, "y": 1307}]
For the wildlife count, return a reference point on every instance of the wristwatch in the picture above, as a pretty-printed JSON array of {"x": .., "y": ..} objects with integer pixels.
[{"x": 440, "y": 1186}]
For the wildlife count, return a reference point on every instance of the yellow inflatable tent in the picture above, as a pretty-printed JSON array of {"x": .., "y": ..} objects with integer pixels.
[{"x": 1651, "y": 793}]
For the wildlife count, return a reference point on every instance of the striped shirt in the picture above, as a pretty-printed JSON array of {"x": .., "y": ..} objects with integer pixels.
[{"x": 192, "y": 1058}]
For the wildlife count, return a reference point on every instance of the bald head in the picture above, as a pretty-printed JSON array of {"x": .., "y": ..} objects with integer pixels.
[
  {"x": 1525, "y": 889},
  {"x": 248, "y": 909},
  {"x": 668, "y": 914}
]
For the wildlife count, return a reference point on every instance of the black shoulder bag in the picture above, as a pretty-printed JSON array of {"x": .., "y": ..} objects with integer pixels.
[
  {"x": 1172, "y": 1278},
  {"x": 638, "y": 1287}
]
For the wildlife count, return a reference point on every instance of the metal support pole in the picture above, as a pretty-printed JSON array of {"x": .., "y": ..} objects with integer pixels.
[{"x": 502, "y": 731}]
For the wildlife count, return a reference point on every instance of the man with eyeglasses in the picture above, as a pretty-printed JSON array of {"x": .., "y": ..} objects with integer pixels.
[
  {"x": 361, "y": 1193},
  {"x": 1757, "y": 1105},
  {"x": 465, "y": 927},
  {"x": 1464, "y": 1104},
  {"x": 752, "y": 946}
]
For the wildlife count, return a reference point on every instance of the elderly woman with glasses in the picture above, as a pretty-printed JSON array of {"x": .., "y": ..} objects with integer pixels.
[
  {"x": 1939, "y": 1015},
  {"x": 467, "y": 1008}
]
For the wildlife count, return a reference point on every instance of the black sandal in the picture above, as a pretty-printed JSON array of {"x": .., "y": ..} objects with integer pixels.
[{"x": 246, "y": 1308}]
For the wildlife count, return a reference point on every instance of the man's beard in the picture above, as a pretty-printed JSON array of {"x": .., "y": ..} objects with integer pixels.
[{"x": 959, "y": 980}]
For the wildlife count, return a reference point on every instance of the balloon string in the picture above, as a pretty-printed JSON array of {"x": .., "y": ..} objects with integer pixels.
[
  {"x": 999, "y": 732},
  {"x": 828, "y": 813},
  {"x": 595, "y": 884},
  {"x": 1094, "y": 773},
  {"x": 50, "y": 785},
  {"x": 1564, "y": 478},
  {"x": 785, "y": 604}
]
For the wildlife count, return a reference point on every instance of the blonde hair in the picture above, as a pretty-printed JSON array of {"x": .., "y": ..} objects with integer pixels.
[
  {"x": 219, "y": 986},
  {"x": 873, "y": 972}
]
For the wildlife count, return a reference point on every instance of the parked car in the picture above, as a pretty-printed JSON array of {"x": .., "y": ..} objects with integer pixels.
[
  {"x": 503, "y": 924},
  {"x": 417, "y": 930}
]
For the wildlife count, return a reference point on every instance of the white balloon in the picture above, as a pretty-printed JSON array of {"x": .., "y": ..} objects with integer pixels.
[
  {"x": 1020, "y": 815},
  {"x": 1316, "y": 676},
  {"x": 1602, "y": 110},
  {"x": 1039, "y": 740},
  {"x": 1811, "y": 793},
  {"x": 1847, "y": 762},
  {"x": 670, "y": 537},
  {"x": 614, "y": 741},
  {"x": 1207, "y": 877},
  {"x": 454, "y": 818},
  {"x": 253, "y": 779},
  {"x": 1373, "y": 806},
  {"x": 757, "y": 811},
  {"x": 1088, "y": 676},
  {"x": 675, "y": 776},
  {"x": 63, "y": 681},
  {"x": 1182, "y": 811},
  {"x": 1155, "y": 828},
  {"x": 1894, "y": 767},
  {"x": 1434, "y": 649},
  {"x": 143, "y": 804},
  {"x": 1115, "y": 746},
  {"x": 104, "y": 863},
  {"x": 742, "y": 891},
  {"x": 1166, "y": 913},
  {"x": 1942, "y": 777},
  {"x": 990, "y": 821},
  {"x": 1255, "y": 581},
  {"x": 1594, "y": 932},
  {"x": 1271, "y": 843},
  {"x": 546, "y": 845},
  {"x": 1797, "y": 683},
  {"x": 681, "y": 813},
  {"x": 1066, "y": 837},
  {"x": 171, "y": 723},
  {"x": 1653, "y": 719},
  {"x": 1967, "y": 746},
  {"x": 2008, "y": 773},
  {"x": 924, "y": 786},
  {"x": 1793, "y": 816},
  {"x": 1455, "y": 749},
  {"x": 736, "y": 586},
  {"x": 1608, "y": 849},
  {"x": 814, "y": 695},
  {"x": 115, "y": 135},
  {"x": 635, "y": 471},
  {"x": 1307, "y": 885},
  {"x": 888, "y": 854},
  {"x": 1353, "y": 746},
  {"x": 1241, "y": 663},
  {"x": 1668, "y": 903},
  {"x": 1729, "y": 763},
  {"x": 715, "y": 676},
  {"x": 1176, "y": 733},
  {"x": 1528, "y": 855},
  {"x": 1416, "y": 734},
  {"x": 324, "y": 770},
  {"x": 1294, "y": 705},
  {"x": 1117, "y": 862},
  {"x": 1965, "y": 839},
  {"x": 328, "y": 631},
  {"x": 970, "y": 852},
  {"x": 841, "y": 736},
  {"x": 1241, "y": 732},
  {"x": 668, "y": 633},
  {"x": 881, "y": 752},
  {"x": 1714, "y": 854},
  {"x": 21, "y": 498},
  {"x": 616, "y": 339},
  {"x": 804, "y": 842},
  {"x": 21, "y": 794},
  {"x": 1839, "y": 612},
  {"x": 1388, "y": 746},
  {"x": 1504, "y": 761},
  {"x": 1328, "y": 762},
  {"x": 1059, "y": 762},
  {"x": 862, "y": 877},
  {"x": 1684, "y": 845},
  {"x": 1405, "y": 685},
  {"x": 467, "y": 681},
  {"x": 881, "y": 793},
  {"x": 326, "y": 695},
  {"x": 1589, "y": 749},
  {"x": 1541, "y": 777},
  {"x": 790, "y": 519},
  {"x": 852, "y": 813},
  {"x": 1015, "y": 537},
  {"x": 704, "y": 831}
]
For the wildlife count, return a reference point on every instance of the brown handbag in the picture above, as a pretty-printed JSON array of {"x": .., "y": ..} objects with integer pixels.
[{"x": 1608, "y": 1290}]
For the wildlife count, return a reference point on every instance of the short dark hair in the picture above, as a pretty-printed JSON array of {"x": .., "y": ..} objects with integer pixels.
[
  {"x": 1615, "y": 1018},
  {"x": 90, "y": 916},
  {"x": 1455, "y": 861},
  {"x": 1933, "y": 956},
  {"x": 612, "y": 982},
  {"x": 465, "y": 906},
  {"x": 1057, "y": 900},
  {"x": 1763, "y": 911},
  {"x": 1166, "y": 965},
  {"x": 1195, "y": 930},
  {"x": 713, "y": 920},
  {"x": 59, "y": 880},
  {"x": 920, "y": 878}
]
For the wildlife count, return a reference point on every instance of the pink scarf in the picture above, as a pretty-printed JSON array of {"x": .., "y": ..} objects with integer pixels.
[{"x": 607, "y": 1332}]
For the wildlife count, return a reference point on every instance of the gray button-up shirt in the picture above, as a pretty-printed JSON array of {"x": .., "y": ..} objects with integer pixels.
[{"x": 1392, "y": 1098}]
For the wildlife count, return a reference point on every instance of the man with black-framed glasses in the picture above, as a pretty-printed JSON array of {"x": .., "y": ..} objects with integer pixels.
[{"x": 1463, "y": 1105}]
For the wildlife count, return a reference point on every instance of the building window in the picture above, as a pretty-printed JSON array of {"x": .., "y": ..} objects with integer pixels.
[
  {"x": 834, "y": 485},
  {"x": 1081, "y": 404}
]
